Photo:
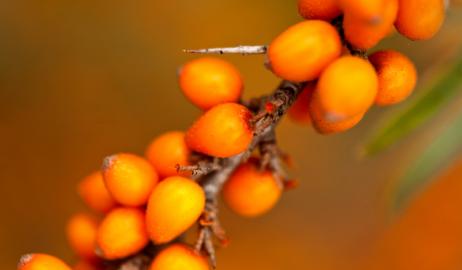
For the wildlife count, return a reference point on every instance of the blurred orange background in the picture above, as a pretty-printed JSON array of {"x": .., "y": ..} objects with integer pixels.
[{"x": 80, "y": 80}]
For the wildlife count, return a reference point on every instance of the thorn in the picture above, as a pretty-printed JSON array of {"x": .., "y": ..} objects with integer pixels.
[
  {"x": 200, "y": 240},
  {"x": 279, "y": 180},
  {"x": 210, "y": 249},
  {"x": 244, "y": 50}
]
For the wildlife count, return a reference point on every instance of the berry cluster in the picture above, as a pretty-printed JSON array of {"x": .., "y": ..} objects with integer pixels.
[
  {"x": 145, "y": 204},
  {"x": 329, "y": 51}
]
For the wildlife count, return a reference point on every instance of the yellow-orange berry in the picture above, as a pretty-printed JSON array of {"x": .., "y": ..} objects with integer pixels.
[
  {"x": 222, "y": 131},
  {"x": 81, "y": 235},
  {"x": 175, "y": 204},
  {"x": 299, "y": 112},
  {"x": 363, "y": 35},
  {"x": 94, "y": 193},
  {"x": 210, "y": 81},
  {"x": 179, "y": 257},
  {"x": 303, "y": 51},
  {"x": 41, "y": 262},
  {"x": 420, "y": 19},
  {"x": 325, "y": 126},
  {"x": 122, "y": 233},
  {"x": 167, "y": 151},
  {"x": 129, "y": 178},
  {"x": 250, "y": 192},
  {"x": 319, "y": 9},
  {"x": 397, "y": 76},
  {"x": 369, "y": 11},
  {"x": 347, "y": 87}
]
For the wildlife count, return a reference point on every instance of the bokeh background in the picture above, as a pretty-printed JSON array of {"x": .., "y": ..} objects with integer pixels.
[{"x": 80, "y": 80}]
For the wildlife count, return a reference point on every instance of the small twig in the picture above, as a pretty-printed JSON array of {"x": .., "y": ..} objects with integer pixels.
[
  {"x": 244, "y": 50},
  {"x": 272, "y": 159},
  {"x": 202, "y": 167}
]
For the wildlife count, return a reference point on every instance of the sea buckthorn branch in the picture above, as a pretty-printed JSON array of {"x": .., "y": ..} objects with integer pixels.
[
  {"x": 271, "y": 110},
  {"x": 148, "y": 203}
]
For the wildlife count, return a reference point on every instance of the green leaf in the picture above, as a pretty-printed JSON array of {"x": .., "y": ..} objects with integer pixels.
[
  {"x": 428, "y": 163},
  {"x": 427, "y": 105}
]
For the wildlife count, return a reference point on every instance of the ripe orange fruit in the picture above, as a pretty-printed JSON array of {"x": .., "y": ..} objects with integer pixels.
[
  {"x": 347, "y": 88},
  {"x": 222, "y": 131},
  {"x": 420, "y": 19},
  {"x": 326, "y": 126},
  {"x": 397, "y": 76},
  {"x": 175, "y": 204},
  {"x": 167, "y": 151},
  {"x": 319, "y": 9},
  {"x": 81, "y": 234},
  {"x": 41, "y": 262},
  {"x": 179, "y": 257},
  {"x": 368, "y": 11},
  {"x": 299, "y": 112},
  {"x": 122, "y": 233},
  {"x": 301, "y": 52},
  {"x": 250, "y": 192},
  {"x": 94, "y": 193},
  {"x": 363, "y": 35},
  {"x": 210, "y": 81},
  {"x": 129, "y": 178}
]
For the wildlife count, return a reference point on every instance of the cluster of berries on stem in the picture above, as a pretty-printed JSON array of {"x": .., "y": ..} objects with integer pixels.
[{"x": 145, "y": 205}]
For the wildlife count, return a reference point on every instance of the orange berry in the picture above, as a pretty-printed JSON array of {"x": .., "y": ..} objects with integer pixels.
[
  {"x": 420, "y": 19},
  {"x": 250, "y": 192},
  {"x": 319, "y": 9},
  {"x": 41, "y": 262},
  {"x": 303, "y": 51},
  {"x": 122, "y": 233},
  {"x": 222, "y": 131},
  {"x": 129, "y": 178},
  {"x": 325, "y": 126},
  {"x": 363, "y": 35},
  {"x": 347, "y": 87},
  {"x": 210, "y": 81},
  {"x": 368, "y": 11},
  {"x": 179, "y": 257},
  {"x": 167, "y": 151},
  {"x": 94, "y": 193},
  {"x": 175, "y": 204},
  {"x": 81, "y": 234},
  {"x": 397, "y": 76},
  {"x": 299, "y": 112}
]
